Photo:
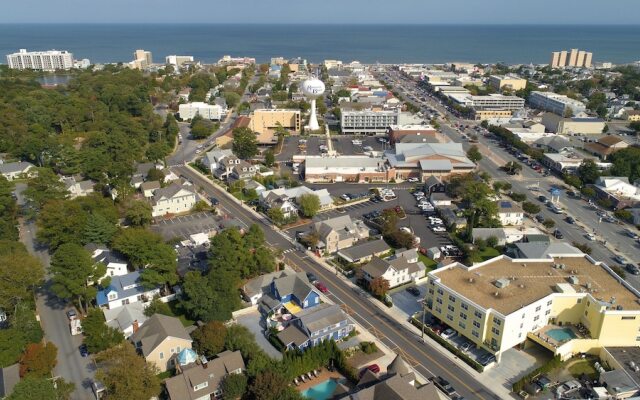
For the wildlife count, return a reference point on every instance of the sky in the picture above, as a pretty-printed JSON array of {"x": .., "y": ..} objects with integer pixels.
[{"x": 584, "y": 12}]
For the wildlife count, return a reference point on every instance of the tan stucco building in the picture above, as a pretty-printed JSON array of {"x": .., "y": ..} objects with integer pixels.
[
  {"x": 265, "y": 122},
  {"x": 511, "y": 82}
]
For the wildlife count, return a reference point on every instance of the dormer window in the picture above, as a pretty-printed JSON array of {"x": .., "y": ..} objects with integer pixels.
[
  {"x": 113, "y": 296},
  {"x": 200, "y": 386}
]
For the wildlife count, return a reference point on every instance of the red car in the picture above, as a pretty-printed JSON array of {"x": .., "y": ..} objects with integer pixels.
[
  {"x": 321, "y": 287},
  {"x": 375, "y": 368}
]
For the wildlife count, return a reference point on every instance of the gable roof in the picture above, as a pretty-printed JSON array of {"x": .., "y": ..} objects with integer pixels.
[
  {"x": 124, "y": 285},
  {"x": 321, "y": 316},
  {"x": 180, "y": 387},
  {"x": 170, "y": 191},
  {"x": 156, "y": 330},
  {"x": 261, "y": 283},
  {"x": 14, "y": 167},
  {"x": 398, "y": 366},
  {"x": 538, "y": 250},
  {"x": 122, "y": 318},
  {"x": 295, "y": 284},
  {"x": 292, "y": 335},
  {"x": 408, "y": 154},
  {"x": 364, "y": 249}
]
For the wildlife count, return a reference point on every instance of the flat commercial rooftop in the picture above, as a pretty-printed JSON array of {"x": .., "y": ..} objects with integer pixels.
[{"x": 532, "y": 281}]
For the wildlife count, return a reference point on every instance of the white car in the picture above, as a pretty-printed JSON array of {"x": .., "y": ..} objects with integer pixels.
[
  {"x": 405, "y": 229},
  {"x": 345, "y": 197},
  {"x": 448, "y": 333},
  {"x": 591, "y": 236},
  {"x": 438, "y": 229},
  {"x": 418, "y": 194},
  {"x": 413, "y": 180},
  {"x": 356, "y": 142}
]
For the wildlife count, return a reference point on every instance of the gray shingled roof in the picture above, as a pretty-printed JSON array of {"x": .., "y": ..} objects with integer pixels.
[
  {"x": 9, "y": 378},
  {"x": 292, "y": 335},
  {"x": 158, "y": 328},
  {"x": 321, "y": 316},
  {"x": 364, "y": 249},
  {"x": 297, "y": 284},
  {"x": 14, "y": 167}
]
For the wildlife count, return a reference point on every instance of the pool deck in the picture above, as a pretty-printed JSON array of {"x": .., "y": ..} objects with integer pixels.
[
  {"x": 542, "y": 334},
  {"x": 324, "y": 375}
]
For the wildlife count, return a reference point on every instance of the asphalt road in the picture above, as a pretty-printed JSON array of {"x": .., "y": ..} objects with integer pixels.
[
  {"x": 428, "y": 361},
  {"x": 71, "y": 366}
]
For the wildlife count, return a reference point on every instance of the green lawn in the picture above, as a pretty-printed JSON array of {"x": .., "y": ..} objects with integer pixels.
[
  {"x": 489, "y": 253},
  {"x": 583, "y": 367},
  {"x": 173, "y": 306},
  {"x": 429, "y": 263}
]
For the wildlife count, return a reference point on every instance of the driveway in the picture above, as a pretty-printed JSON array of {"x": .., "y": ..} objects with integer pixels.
[
  {"x": 516, "y": 363},
  {"x": 252, "y": 322},
  {"x": 186, "y": 225},
  {"x": 407, "y": 303}
]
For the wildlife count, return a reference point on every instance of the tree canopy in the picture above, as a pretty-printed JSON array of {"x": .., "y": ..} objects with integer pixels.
[
  {"x": 245, "y": 143},
  {"x": 97, "y": 335},
  {"x": 309, "y": 204},
  {"x": 115, "y": 366}
]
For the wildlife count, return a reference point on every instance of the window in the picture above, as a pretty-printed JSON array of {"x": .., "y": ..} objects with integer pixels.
[
  {"x": 200, "y": 386},
  {"x": 430, "y": 291},
  {"x": 440, "y": 291},
  {"x": 549, "y": 302},
  {"x": 439, "y": 300},
  {"x": 450, "y": 307},
  {"x": 495, "y": 330},
  {"x": 476, "y": 324},
  {"x": 178, "y": 349},
  {"x": 547, "y": 312},
  {"x": 450, "y": 317},
  {"x": 464, "y": 306},
  {"x": 463, "y": 315},
  {"x": 475, "y": 333},
  {"x": 161, "y": 355},
  {"x": 537, "y": 317},
  {"x": 478, "y": 314},
  {"x": 438, "y": 309},
  {"x": 497, "y": 321},
  {"x": 172, "y": 350},
  {"x": 628, "y": 318},
  {"x": 462, "y": 325},
  {"x": 452, "y": 299},
  {"x": 538, "y": 308}
]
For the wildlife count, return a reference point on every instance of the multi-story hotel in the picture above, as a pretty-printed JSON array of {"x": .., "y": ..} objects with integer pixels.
[
  {"x": 511, "y": 82},
  {"x": 555, "y": 103},
  {"x": 573, "y": 58},
  {"x": 207, "y": 111},
  {"x": 41, "y": 60},
  {"x": 490, "y": 102},
  {"x": 368, "y": 122},
  {"x": 565, "y": 302},
  {"x": 265, "y": 122}
]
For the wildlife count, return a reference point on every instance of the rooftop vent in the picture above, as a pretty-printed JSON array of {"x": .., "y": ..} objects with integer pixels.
[
  {"x": 496, "y": 294},
  {"x": 521, "y": 286},
  {"x": 574, "y": 280},
  {"x": 588, "y": 285},
  {"x": 471, "y": 280},
  {"x": 502, "y": 283}
]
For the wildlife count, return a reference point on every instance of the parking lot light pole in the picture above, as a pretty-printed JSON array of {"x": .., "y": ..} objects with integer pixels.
[{"x": 424, "y": 306}]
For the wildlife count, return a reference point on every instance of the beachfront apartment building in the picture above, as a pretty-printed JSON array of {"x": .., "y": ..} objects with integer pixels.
[
  {"x": 556, "y": 103},
  {"x": 207, "y": 111},
  {"x": 572, "y": 58},
  {"x": 561, "y": 300},
  {"x": 50, "y": 60},
  {"x": 499, "y": 82},
  {"x": 178, "y": 61}
]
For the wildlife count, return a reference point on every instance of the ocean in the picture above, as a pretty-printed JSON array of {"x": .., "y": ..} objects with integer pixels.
[{"x": 513, "y": 44}]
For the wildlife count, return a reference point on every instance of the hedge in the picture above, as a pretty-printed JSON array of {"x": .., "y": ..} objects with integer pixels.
[
  {"x": 453, "y": 349},
  {"x": 548, "y": 367}
]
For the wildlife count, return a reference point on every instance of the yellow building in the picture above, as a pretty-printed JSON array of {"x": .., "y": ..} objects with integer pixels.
[
  {"x": 567, "y": 303},
  {"x": 265, "y": 122},
  {"x": 481, "y": 115},
  {"x": 511, "y": 82},
  {"x": 632, "y": 115}
]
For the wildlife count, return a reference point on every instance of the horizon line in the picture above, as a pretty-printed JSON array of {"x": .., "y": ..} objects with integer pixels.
[{"x": 325, "y": 23}]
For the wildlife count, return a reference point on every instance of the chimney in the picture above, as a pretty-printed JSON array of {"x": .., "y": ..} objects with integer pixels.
[
  {"x": 204, "y": 362},
  {"x": 136, "y": 326}
]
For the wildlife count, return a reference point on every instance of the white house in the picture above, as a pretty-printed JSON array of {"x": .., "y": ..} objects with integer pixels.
[
  {"x": 174, "y": 199},
  {"x": 213, "y": 158},
  {"x": 116, "y": 263},
  {"x": 77, "y": 187},
  {"x": 123, "y": 290},
  {"x": 15, "y": 170},
  {"x": 403, "y": 267},
  {"x": 206, "y": 111},
  {"x": 509, "y": 213},
  {"x": 127, "y": 319},
  {"x": 287, "y": 199}
]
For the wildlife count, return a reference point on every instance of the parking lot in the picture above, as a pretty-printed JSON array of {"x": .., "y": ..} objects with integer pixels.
[
  {"x": 184, "y": 226},
  {"x": 406, "y": 302}
]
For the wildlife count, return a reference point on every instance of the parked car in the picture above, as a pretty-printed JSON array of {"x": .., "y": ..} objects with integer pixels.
[
  {"x": 321, "y": 287},
  {"x": 542, "y": 198},
  {"x": 557, "y": 234},
  {"x": 570, "y": 220},
  {"x": 444, "y": 385},
  {"x": 487, "y": 359},
  {"x": 345, "y": 197},
  {"x": 632, "y": 269},
  {"x": 214, "y": 201},
  {"x": 448, "y": 333},
  {"x": 591, "y": 236},
  {"x": 84, "y": 351},
  {"x": 540, "y": 218},
  {"x": 620, "y": 260},
  {"x": 567, "y": 387},
  {"x": 413, "y": 180},
  {"x": 413, "y": 290},
  {"x": 466, "y": 346},
  {"x": 375, "y": 368},
  {"x": 71, "y": 314},
  {"x": 312, "y": 278}
]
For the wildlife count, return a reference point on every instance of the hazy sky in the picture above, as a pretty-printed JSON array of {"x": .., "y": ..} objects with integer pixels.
[{"x": 324, "y": 11}]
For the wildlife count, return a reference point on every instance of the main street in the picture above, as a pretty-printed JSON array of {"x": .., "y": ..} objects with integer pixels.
[
  {"x": 71, "y": 365},
  {"x": 427, "y": 360}
]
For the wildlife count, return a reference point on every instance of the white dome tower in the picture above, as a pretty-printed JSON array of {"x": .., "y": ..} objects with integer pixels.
[{"x": 313, "y": 89}]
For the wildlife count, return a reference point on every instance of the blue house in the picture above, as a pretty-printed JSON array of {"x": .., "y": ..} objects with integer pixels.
[
  {"x": 293, "y": 292},
  {"x": 123, "y": 290},
  {"x": 315, "y": 325}
]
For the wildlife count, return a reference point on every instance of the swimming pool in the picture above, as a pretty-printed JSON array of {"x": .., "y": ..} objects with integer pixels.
[
  {"x": 321, "y": 391},
  {"x": 561, "y": 334}
]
